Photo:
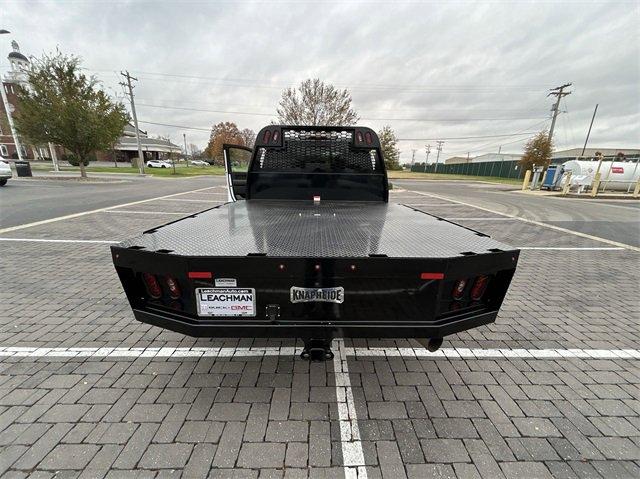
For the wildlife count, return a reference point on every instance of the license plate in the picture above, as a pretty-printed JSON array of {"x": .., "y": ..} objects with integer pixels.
[
  {"x": 226, "y": 302},
  {"x": 312, "y": 295}
]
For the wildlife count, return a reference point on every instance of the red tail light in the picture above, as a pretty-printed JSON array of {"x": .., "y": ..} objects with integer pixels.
[
  {"x": 458, "y": 289},
  {"x": 359, "y": 138},
  {"x": 152, "y": 285},
  {"x": 266, "y": 136},
  {"x": 275, "y": 135},
  {"x": 173, "y": 287},
  {"x": 479, "y": 287},
  {"x": 368, "y": 138}
]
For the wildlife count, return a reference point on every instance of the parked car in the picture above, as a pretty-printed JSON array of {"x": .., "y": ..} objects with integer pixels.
[
  {"x": 158, "y": 164},
  {"x": 198, "y": 163},
  {"x": 5, "y": 171}
]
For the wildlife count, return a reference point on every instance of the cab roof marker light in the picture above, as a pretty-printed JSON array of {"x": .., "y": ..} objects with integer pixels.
[{"x": 199, "y": 275}]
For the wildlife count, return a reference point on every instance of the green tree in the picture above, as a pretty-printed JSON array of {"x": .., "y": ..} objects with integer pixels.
[
  {"x": 390, "y": 151},
  {"x": 316, "y": 103},
  {"x": 537, "y": 151},
  {"x": 62, "y": 105}
]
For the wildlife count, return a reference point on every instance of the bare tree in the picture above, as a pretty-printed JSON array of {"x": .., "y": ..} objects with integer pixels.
[
  {"x": 248, "y": 137},
  {"x": 316, "y": 103}
]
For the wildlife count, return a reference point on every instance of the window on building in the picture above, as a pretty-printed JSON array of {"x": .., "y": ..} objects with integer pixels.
[
  {"x": 23, "y": 150},
  {"x": 4, "y": 151}
]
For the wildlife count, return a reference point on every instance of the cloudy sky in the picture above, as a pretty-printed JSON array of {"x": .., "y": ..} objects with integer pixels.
[{"x": 431, "y": 70}]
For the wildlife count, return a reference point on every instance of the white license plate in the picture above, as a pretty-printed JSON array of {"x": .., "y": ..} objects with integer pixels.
[{"x": 226, "y": 302}]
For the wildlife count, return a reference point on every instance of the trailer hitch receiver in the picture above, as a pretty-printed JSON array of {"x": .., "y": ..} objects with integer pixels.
[{"x": 317, "y": 350}]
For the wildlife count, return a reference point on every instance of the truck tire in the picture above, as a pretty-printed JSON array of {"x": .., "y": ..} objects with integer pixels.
[{"x": 3, "y": 181}]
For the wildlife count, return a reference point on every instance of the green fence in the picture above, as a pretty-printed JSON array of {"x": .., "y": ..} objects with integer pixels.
[{"x": 502, "y": 169}]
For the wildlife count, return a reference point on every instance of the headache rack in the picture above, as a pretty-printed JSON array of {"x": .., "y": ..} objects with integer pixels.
[{"x": 335, "y": 163}]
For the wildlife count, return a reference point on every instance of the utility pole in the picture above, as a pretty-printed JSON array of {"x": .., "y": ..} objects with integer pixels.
[
  {"x": 439, "y": 148},
  {"x": 135, "y": 118},
  {"x": 7, "y": 109},
  {"x": 413, "y": 156},
  {"x": 558, "y": 92},
  {"x": 428, "y": 150},
  {"x": 186, "y": 152},
  {"x": 589, "y": 132}
]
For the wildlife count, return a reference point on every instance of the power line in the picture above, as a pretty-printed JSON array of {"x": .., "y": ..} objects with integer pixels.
[
  {"x": 203, "y": 110},
  {"x": 176, "y": 126},
  {"x": 467, "y": 137},
  {"x": 492, "y": 143},
  {"x": 246, "y": 82}
]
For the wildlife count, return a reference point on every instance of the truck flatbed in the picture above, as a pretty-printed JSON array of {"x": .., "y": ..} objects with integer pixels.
[
  {"x": 302, "y": 229},
  {"x": 309, "y": 246}
]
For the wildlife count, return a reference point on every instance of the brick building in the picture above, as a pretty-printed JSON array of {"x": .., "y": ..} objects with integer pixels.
[{"x": 15, "y": 77}]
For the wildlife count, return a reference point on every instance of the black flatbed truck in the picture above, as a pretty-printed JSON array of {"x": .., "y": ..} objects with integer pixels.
[{"x": 309, "y": 246}]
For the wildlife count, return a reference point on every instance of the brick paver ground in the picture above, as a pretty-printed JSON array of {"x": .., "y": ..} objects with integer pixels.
[{"x": 263, "y": 416}]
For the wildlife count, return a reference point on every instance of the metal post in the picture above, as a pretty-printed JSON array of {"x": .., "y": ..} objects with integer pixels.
[
  {"x": 54, "y": 156},
  {"x": 589, "y": 132},
  {"x": 186, "y": 152}
]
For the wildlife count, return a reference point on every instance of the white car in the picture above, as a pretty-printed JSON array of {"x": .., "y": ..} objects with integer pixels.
[
  {"x": 5, "y": 171},
  {"x": 198, "y": 163},
  {"x": 158, "y": 164}
]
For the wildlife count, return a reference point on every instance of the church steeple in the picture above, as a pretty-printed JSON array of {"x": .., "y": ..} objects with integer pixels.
[{"x": 19, "y": 64}]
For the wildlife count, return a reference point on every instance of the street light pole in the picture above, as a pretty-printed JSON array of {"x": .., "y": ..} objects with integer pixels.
[{"x": 6, "y": 104}]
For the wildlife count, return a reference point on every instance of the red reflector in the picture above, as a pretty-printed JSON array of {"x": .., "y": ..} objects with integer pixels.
[
  {"x": 266, "y": 136},
  {"x": 368, "y": 138},
  {"x": 173, "y": 286},
  {"x": 432, "y": 276},
  {"x": 199, "y": 275},
  {"x": 152, "y": 285},
  {"x": 458, "y": 289},
  {"x": 275, "y": 135},
  {"x": 479, "y": 287}
]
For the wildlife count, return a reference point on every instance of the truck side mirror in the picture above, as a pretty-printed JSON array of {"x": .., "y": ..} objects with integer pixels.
[{"x": 236, "y": 165}]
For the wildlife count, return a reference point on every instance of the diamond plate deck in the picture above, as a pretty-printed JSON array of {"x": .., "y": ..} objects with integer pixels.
[{"x": 302, "y": 229}]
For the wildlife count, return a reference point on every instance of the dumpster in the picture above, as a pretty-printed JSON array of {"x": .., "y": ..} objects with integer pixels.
[{"x": 23, "y": 168}]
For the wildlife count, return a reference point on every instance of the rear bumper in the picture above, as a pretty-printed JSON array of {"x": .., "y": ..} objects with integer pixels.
[
  {"x": 378, "y": 329},
  {"x": 384, "y": 297}
]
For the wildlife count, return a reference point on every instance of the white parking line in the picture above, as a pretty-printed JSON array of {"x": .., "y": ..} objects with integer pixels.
[
  {"x": 188, "y": 200},
  {"x": 561, "y": 248},
  {"x": 344, "y": 352},
  {"x": 99, "y": 210},
  {"x": 352, "y": 452},
  {"x": 131, "y": 212},
  {"x": 533, "y": 222},
  {"x": 45, "y": 240},
  {"x": 480, "y": 219}
]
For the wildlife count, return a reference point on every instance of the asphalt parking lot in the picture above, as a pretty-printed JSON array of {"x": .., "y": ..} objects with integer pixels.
[{"x": 550, "y": 390}]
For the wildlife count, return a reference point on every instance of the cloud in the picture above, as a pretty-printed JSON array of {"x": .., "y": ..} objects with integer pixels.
[{"x": 430, "y": 70}]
